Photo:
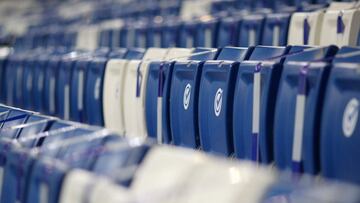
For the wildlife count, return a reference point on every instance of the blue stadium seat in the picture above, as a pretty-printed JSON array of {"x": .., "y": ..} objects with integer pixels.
[
  {"x": 141, "y": 37},
  {"x": 301, "y": 91},
  {"x": 94, "y": 91},
  {"x": 13, "y": 80},
  {"x": 45, "y": 180},
  {"x": 27, "y": 81},
  {"x": 170, "y": 34},
  {"x": 215, "y": 103},
  {"x": 51, "y": 72},
  {"x": 206, "y": 33},
  {"x": 154, "y": 34},
  {"x": 38, "y": 82},
  {"x": 228, "y": 31},
  {"x": 114, "y": 159},
  {"x": 152, "y": 93},
  {"x": 183, "y": 99},
  {"x": 62, "y": 92},
  {"x": 267, "y": 61},
  {"x": 276, "y": 28},
  {"x": 340, "y": 119},
  {"x": 77, "y": 88},
  {"x": 251, "y": 30},
  {"x": 187, "y": 34}
]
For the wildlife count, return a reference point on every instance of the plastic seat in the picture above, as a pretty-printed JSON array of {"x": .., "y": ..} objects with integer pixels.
[
  {"x": 251, "y": 30},
  {"x": 170, "y": 32},
  {"x": 305, "y": 28},
  {"x": 276, "y": 29},
  {"x": 134, "y": 91},
  {"x": 340, "y": 27},
  {"x": 245, "y": 103},
  {"x": 184, "y": 96},
  {"x": 157, "y": 97},
  {"x": 27, "y": 81},
  {"x": 228, "y": 31},
  {"x": 108, "y": 36},
  {"x": 77, "y": 88},
  {"x": 206, "y": 33},
  {"x": 38, "y": 82},
  {"x": 62, "y": 87},
  {"x": 187, "y": 34},
  {"x": 87, "y": 37},
  {"x": 50, "y": 89},
  {"x": 298, "y": 110},
  {"x": 45, "y": 180},
  {"x": 141, "y": 36},
  {"x": 215, "y": 103},
  {"x": 340, "y": 127},
  {"x": 113, "y": 91},
  {"x": 102, "y": 189},
  {"x": 94, "y": 91}
]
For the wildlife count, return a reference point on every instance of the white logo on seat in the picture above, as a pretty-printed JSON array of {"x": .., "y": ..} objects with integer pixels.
[
  {"x": 218, "y": 101},
  {"x": 186, "y": 98},
  {"x": 350, "y": 117}
]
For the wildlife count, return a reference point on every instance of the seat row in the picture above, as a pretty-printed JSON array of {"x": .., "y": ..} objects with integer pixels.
[
  {"x": 336, "y": 24},
  {"x": 266, "y": 104},
  {"x": 45, "y": 159}
]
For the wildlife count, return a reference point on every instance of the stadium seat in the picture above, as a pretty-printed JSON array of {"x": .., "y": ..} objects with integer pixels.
[
  {"x": 187, "y": 34},
  {"x": 134, "y": 91},
  {"x": 228, "y": 31},
  {"x": 159, "y": 110},
  {"x": 340, "y": 27},
  {"x": 113, "y": 91},
  {"x": 276, "y": 29},
  {"x": 215, "y": 102},
  {"x": 93, "y": 93},
  {"x": 45, "y": 178},
  {"x": 77, "y": 88},
  {"x": 206, "y": 33},
  {"x": 298, "y": 110},
  {"x": 254, "y": 103},
  {"x": 184, "y": 96},
  {"x": 62, "y": 86},
  {"x": 39, "y": 79},
  {"x": 305, "y": 28},
  {"x": 340, "y": 119},
  {"x": 251, "y": 30}
]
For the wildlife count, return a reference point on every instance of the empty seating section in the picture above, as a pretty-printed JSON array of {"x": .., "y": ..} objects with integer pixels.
[{"x": 179, "y": 101}]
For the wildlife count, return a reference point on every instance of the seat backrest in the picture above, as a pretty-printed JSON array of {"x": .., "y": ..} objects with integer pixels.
[
  {"x": 340, "y": 122},
  {"x": 251, "y": 30},
  {"x": 305, "y": 28},
  {"x": 340, "y": 27},
  {"x": 113, "y": 91}
]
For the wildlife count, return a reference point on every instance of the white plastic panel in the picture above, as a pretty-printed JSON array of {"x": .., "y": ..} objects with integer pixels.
[
  {"x": 135, "y": 81},
  {"x": 106, "y": 191},
  {"x": 296, "y": 29},
  {"x": 183, "y": 175},
  {"x": 349, "y": 36},
  {"x": 114, "y": 81},
  {"x": 75, "y": 186},
  {"x": 225, "y": 181},
  {"x": 87, "y": 38},
  {"x": 164, "y": 170}
]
